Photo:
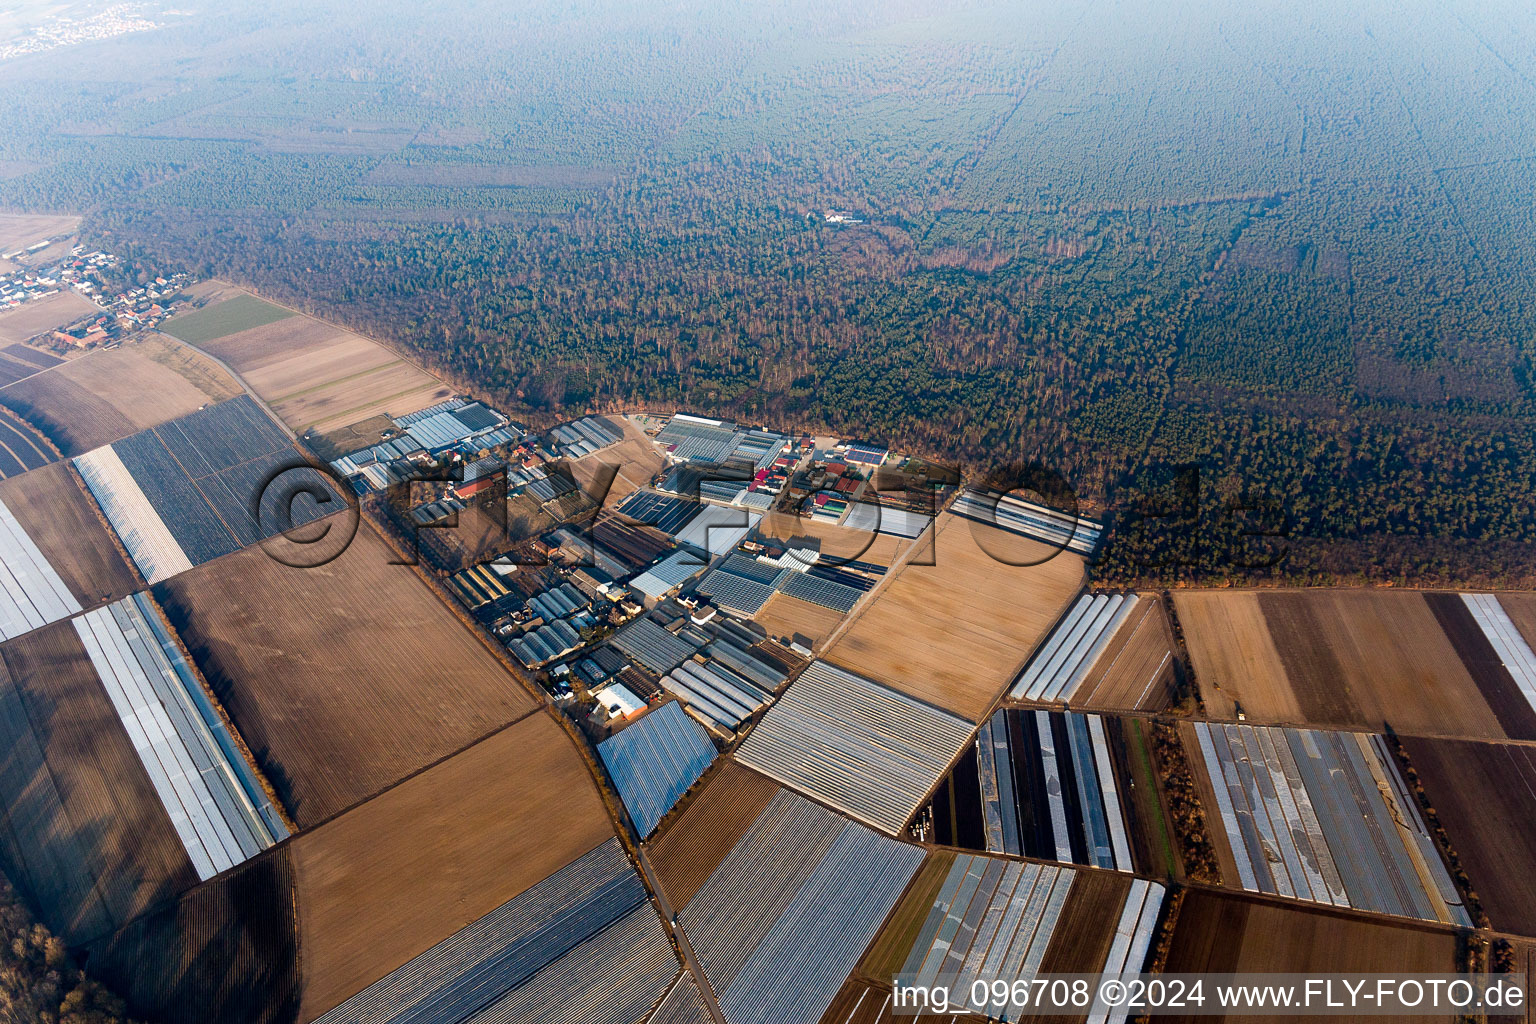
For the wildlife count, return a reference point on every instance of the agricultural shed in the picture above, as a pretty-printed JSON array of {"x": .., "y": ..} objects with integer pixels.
[
  {"x": 477, "y": 586},
  {"x": 668, "y": 514},
  {"x": 1039, "y": 522},
  {"x": 698, "y": 439},
  {"x": 585, "y": 937},
  {"x": 31, "y": 592},
  {"x": 717, "y": 692},
  {"x": 717, "y": 529},
  {"x": 652, "y": 646},
  {"x": 1324, "y": 816},
  {"x": 861, "y": 747},
  {"x": 821, "y": 887},
  {"x": 886, "y": 519},
  {"x": 655, "y": 761},
  {"x": 866, "y": 454},
  {"x": 668, "y": 574}
]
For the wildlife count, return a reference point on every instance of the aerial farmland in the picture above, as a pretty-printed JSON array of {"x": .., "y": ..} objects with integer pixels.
[{"x": 507, "y": 751}]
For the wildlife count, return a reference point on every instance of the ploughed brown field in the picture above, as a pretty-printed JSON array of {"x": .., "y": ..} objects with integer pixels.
[
  {"x": 316, "y": 376},
  {"x": 18, "y": 362},
  {"x": 344, "y": 678},
  {"x": 55, "y": 511},
  {"x": 109, "y": 394},
  {"x": 82, "y": 833},
  {"x": 1521, "y": 609},
  {"x": 1485, "y": 797},
  {"x": 1226, "y": 933},
  {"x": 697, "y": 840},
  {"x": 19, "y": 230},
  {"x": 786, "y": 616},
  {"x": 956, "y": 633},
  {"x": 1135, "y": 670},
  {"x": 297, "y": 929},
  {"x": 387, "y": 880},
  {"x": 41, "y": 315},
  {"x": 1358, "y": 659},
  {"x": 636, "y": 459}
]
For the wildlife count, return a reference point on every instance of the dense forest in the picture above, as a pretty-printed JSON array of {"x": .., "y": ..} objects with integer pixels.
[
  {"x": 39, "y": 982},
  {"x": 1257, "y": 281}
]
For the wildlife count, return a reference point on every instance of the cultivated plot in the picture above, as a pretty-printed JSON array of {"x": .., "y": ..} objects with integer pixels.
[
  {"x": 318, "y": 377},
  {"x": 227, "y": 950},
  {"x": 196, "y": 488},
  {"x": 238, "y": 312},
  {"x": 1346, "y": 658},
  {"x": 582, "y": 942},
  {"x": 18, "y": 362},
  {"x": 822, "y": 886},
  {"x": 19, "y": 230},
  {"x": 1485, "y": 797},
  {"x": 213, "y": 798},
  {"x": 108, "y": 394},
  {"x": 31, "y": 593},
  {"x": 1224, "y": 933},
  {"x": 1323, "y": 816},
  {"x": 985, "y": 918},
  {"x": 56, "y": 513},
  {"x": 22, "y": 448},
  {"x": 343, "y": 678},
  {"x": 1058, "y": 668},
  {"x": 956, "y": 633},
  {"x": 383, "y": 883},
  {"x": 44, "y": 315},
  {"x": 1038, "y": 784},
  {"x": 859, "y": 746},
  {"x": 689, "y": 849},
  {"x": 86, "y": 837}
]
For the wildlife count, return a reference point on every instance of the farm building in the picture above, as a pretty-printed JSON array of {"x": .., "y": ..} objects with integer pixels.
[
  {"x": 886, "y": 519},
  {"x": 665, "y": 512},
  {"x": 865, "y": 749},
  {"x": 688, "y": 438},
  {"x": 1040, "y": 522},
  {"x": 582, "y": 437},
  {"x": 860, "y": 454},
  {"x": 439, "y": 428},
  {"x": 619, "y": 701},
  {"x": 667, "y": 575},
  {"x": 822, "y": 887},
  {"x": 716, "y": 530},
  {"x": 655, "y": 761},
  {"x": 649, "y": 644}
]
